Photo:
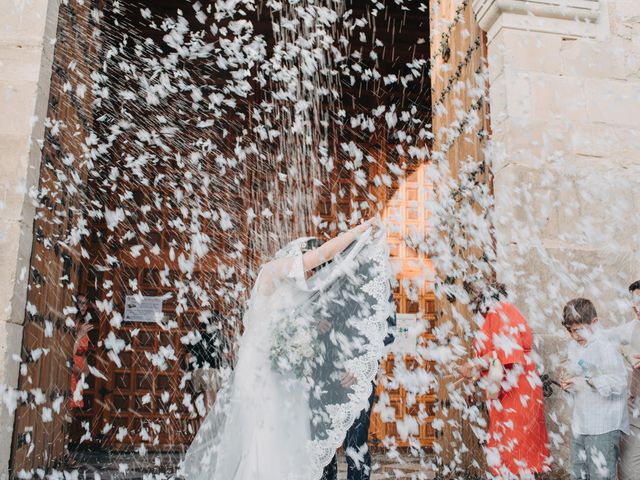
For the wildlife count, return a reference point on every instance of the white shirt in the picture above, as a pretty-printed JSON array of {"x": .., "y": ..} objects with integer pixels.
[
  {"x": 628, "y": 335},
  {"x": 602, "y": 406}
]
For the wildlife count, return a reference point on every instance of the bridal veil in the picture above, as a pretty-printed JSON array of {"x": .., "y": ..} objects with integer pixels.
[{"x": 284, "y": 412}]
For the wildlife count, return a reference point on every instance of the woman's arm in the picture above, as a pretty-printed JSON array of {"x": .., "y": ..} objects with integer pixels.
[
  {"x": 80, "y": 345},
  {"x": 277, "y": 269},
  {"x": 327, "y": 251}
]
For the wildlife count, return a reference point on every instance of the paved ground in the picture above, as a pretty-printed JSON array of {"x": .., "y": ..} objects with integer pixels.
[{"x": 132, "y": 466}]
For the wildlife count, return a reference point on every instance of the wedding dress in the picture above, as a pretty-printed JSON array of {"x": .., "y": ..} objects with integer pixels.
[{"x": 284, "y": 412}]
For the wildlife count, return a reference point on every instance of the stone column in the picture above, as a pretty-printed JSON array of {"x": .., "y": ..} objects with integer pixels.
[
  {"x": 565, "y": 118},
  {"x": 27, "y": 39}
]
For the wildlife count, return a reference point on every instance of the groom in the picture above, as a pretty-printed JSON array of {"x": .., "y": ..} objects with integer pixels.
[{"x": 355, "y": 443}]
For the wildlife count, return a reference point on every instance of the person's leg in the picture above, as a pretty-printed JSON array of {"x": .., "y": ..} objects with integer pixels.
[
  {"x": 331, "y": 470},
  {"x": 603, "y": 454},
  {"x": 629, "y": 466},
  {"x": 356, "y": 445},
  {"x": 579, "y": 458}
]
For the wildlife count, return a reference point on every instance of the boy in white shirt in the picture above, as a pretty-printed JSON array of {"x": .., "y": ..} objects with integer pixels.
[{"x": 597, "y": 378}]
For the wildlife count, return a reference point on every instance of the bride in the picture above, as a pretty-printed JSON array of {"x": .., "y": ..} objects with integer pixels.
[{"x": 314, "y": 330}]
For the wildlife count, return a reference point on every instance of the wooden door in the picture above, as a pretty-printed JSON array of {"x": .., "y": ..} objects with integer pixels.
[
  {"x": 41, "y": 424},
  {"x": 461, "y": 129},
  {"x": 407, "y": 218},
  {"x": 146, "y": 397},
  {"x": 404, "y": 210}
]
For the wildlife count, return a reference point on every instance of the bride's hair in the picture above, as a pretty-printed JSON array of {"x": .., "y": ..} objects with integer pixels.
[{"x": 311, "y": 244}]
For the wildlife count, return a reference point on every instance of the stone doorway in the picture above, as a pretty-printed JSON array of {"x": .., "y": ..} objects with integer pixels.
[{"x": 130, "y": 398}]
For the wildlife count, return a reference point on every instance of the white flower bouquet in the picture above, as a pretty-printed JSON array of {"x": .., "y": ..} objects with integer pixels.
[{"x": 293, "y": 345}]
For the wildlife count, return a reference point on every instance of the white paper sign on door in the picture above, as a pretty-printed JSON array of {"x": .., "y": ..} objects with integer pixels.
[
  {"x": 406, "y": 334},
  {"x": 142, "y": 309}
]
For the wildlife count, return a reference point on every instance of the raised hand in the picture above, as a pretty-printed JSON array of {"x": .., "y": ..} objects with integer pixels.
[
  {"x": 573, "y": 383},
  {"x": 83, "y": 330},
  {"x": 567, "y": 384},
  {"x": 373, "y": 222}
]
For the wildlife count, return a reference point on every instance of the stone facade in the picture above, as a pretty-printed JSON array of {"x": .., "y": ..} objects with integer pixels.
[
  {"x": 565, "y": 104},
  {"x": 565, "y": 109},
  {"x": 27, "y": 38}
]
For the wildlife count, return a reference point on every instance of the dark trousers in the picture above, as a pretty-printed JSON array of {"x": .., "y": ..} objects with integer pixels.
[{"x": 358, "y": 468}]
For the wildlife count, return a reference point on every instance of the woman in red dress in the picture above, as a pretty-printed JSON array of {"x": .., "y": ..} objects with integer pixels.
[
  {"x": 517, "y": 446},
  {"x": 80, "y": 367}
]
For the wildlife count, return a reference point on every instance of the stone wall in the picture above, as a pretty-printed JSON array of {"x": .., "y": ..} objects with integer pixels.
[
  {"x": 26, "y": 52},
  {"x": 565, "y": 110}
]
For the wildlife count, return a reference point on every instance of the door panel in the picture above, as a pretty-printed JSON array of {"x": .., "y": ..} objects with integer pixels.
[
  {"x": 461, "y": 128},
  {"x": 407, "y": 218}
]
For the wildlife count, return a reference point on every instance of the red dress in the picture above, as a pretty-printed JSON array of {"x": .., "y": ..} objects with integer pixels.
[
  {"x": 518, "y": 441},
  {"x": 80, "y": 362}
]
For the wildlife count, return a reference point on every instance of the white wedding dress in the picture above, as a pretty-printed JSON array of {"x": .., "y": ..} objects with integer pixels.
[{"x": 270, "y": 423}]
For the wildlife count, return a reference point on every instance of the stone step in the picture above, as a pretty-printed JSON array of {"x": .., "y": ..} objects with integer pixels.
[{"x": 131, "y": 466}]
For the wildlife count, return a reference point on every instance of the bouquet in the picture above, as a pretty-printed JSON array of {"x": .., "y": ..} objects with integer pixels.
[{"x": 293, "y": 345}]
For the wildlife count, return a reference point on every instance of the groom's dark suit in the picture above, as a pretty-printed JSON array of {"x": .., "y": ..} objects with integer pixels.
[{"x": 355, "y": 442}]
